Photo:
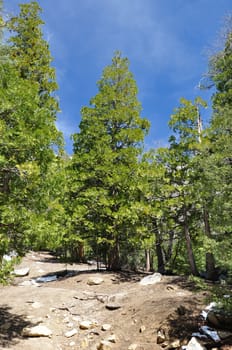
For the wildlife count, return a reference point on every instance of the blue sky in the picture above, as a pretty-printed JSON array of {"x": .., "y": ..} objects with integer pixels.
[{"x": 166, "y": 42}]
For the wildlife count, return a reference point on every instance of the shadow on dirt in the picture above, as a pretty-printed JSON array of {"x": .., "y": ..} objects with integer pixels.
[
  {"x": 117, "y": 277},
  {"x": 11, "y": 326},
  {"x": 184, "y": 322},
  {"x": 185, "y": 283}
]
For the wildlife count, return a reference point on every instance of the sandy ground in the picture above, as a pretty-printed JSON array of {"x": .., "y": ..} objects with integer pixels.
[{"x": 62, "y": 305}]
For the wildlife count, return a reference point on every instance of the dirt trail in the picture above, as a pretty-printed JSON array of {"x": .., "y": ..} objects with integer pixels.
[{"x": 62, "y": 306}]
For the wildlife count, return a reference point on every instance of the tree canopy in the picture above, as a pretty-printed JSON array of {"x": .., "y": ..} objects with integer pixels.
[{"x": 167, "y": 209}]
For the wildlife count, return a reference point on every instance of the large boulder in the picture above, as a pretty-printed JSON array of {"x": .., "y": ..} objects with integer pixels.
[
  {"x": 151, "y": 279},
  {"x": 21, "y": 272},
  {"x": 220, "y": 319},
  {"x": 37, "y": 331}
]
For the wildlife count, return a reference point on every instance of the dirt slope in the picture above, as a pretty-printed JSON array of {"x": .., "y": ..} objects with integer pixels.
[{"x": 63, "y": 304}]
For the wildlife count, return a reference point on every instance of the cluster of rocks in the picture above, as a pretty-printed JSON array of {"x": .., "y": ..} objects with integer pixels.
[
  {"x": 215, "y": 331},
  {"x": 87, "y": 334},
  {"x": 85, "y": 340}
]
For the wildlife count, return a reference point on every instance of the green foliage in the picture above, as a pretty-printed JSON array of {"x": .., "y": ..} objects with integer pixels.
[
  {"x": 110, "y": 200},
  {"x": 28, "y": 136},
  {"x": 6, "y": 269},
  {"x": 222, "y": 296},
  {"x": 104, "y": 168}
]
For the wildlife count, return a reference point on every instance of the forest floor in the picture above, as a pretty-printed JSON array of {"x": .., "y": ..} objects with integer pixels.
[{"x": 112, "y": 307}]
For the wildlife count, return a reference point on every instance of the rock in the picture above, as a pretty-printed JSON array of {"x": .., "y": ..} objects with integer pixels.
[
  {"x": 161, "y": 337},
  {"x": 104, "y": 345},
  {"x": 170, "y": 287},
  {"x": 112, "y": 306},
  {"x": 132, "y": 347},
  {"x": 93, "y": 281},
  {"x": 224, "y": 335},
  {"x": 37, "y": 331},
  {"x": 175, "y": 344},
  {"x": 142, "y": 329},
  {"x": 84, "y": 343},
  {"x": 87, "y": 324},
  {"x": 71, "y": 333},
  {"x": 45, "y": 279},
  {"x": 221, "y": 317},
  {"x": 102, "y": 298},
  {"x": 111, "y": 338},
  {"x": 72, "y": 343},
  {"x": 194, "y": 344},
  {"x": 106, "y": 327},
  {"x": 212, "y": 319},
  {"x": 34, "y": 319},
  {"x": 21, "y": 272},
  {"x": 211, "y": 333},
  {"x": 70, "y": 325},
  {"x": 151, "y": 279}
]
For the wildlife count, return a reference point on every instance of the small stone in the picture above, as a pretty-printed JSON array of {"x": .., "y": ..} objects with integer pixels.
[
  {"x": 142, "y": 329},
  {"x": 72, "y": 343},
  {"x": 113, "y": 306},
  {"x": 70, "y": 325},
  {"x": 71, "y": 333},
  {"x": 93, "y": 281},
  {"x": 37, "y": 331},
  {"x": 84, "y": 343},
  {"x": 21, "y": 272},
  {"x": 194, "y": 344},
  {"x": 175, "y": 344},
  {"x": 104, "y": 345},
  {"x": 160, "y": 337},
  {"x": 36, "y": 320},
  {"x": 102, "y": 298},
  {"x": 86, "y": 324},
  {"x": 111, "y": 338},
  {"x": 133, "y": 347},
  {"x": 106, "y": 327},
  {"x": 170, "y": 287}
]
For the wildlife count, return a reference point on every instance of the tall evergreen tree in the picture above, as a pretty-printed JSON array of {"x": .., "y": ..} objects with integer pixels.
[
  {"x": 184, "y": 147},
  {"x": 217, "y": 152},
  {"x": 27, "y": 125},
  {"x": 105, "y": 163},
  {"x": 31, "y": 56}
]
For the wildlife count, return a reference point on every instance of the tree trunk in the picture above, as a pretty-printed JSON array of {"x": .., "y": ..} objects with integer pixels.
[
  {"x": 81, "y": 252},
  {"x": 114, "y": 258},
  {"x": 191, "y": 257},
  {"x": 148, "y": 260},
  {"x": 159, "y": 250},
  {"x": 211, "y": 273}
]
